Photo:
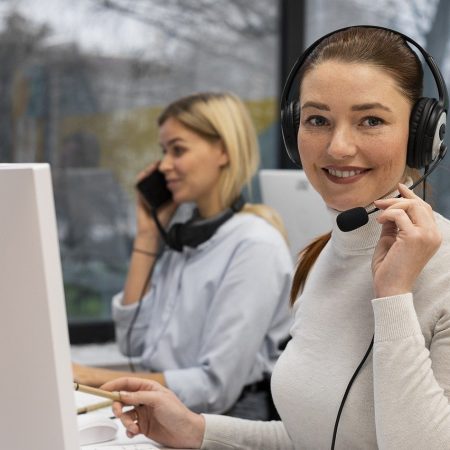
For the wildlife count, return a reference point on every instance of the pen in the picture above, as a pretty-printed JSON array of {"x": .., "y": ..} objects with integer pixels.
[
  {"x": 93, "y": 407},
  {"x": 115, "y": 396}
]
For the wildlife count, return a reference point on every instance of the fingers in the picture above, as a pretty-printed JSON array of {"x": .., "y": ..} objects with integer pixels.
[
  {"x": 406, "y": 192},
  {"x": 133, "y": 391},
  {"x": 409, "y": 221},
  {"x": 130, "y": 421},
  {"x": 141, "y": 398},
  {"x": 406, "y": 195},
  {"x": 407, "y": 210},
  {"x": 399, "y": 216},
  {"x": 147, "y": 171},
  {"x": 137, "y": 420},
  {"x": 131, "y": 384}
]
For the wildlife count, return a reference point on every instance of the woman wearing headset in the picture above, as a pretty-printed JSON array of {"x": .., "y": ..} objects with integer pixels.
[
  {"x": 213, "y": 312},
  {"x": 387, "y": 280}
]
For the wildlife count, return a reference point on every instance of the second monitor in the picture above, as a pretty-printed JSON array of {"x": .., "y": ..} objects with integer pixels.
[{"x": 302, "y": 209}]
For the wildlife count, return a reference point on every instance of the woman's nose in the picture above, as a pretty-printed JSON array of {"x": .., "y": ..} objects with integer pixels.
[
  {"x": 342, "y": 144},
  {"x": 166, "y": 163}
]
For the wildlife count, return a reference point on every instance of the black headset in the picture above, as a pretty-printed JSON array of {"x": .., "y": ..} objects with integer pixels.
[
  {"x": 196, "y": 230},
  {"x": 427, "y": 121}
]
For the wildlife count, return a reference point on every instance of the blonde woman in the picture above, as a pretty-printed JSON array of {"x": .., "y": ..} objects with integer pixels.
[{"x": 214, "y": 311}]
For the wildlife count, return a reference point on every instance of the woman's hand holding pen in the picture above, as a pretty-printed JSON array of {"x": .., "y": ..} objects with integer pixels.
[
  {"x": 409, "y": 238},
  {"x": 157, "y": 413}
]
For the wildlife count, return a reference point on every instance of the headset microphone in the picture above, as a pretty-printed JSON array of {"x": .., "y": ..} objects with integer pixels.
[{"x": 354, "y": 218}]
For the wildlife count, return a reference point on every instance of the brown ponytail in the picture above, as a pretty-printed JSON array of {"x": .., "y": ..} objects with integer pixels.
[{"x": 306, "y": 260}]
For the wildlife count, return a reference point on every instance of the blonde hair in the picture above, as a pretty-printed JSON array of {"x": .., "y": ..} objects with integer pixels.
[{"x": 222, "y": 116}]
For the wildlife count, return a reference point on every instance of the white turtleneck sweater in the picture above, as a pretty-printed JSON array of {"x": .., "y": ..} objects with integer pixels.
[{"x": 400, "y": 399}]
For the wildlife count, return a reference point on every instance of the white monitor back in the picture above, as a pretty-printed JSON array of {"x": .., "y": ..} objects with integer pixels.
[
  {"x": 302, "y": 209},
  {"x": 36, "y": 390}
]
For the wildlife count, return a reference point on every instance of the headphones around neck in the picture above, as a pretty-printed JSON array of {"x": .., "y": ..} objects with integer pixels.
[
  {"x": 427, "y": 121},
  {"x": 196, "y": 230}
]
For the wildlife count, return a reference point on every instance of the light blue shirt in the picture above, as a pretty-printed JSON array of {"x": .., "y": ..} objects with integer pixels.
[{"x": 214, "y": 316}]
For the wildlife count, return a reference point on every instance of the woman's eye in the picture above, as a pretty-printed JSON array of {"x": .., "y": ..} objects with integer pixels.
[
  {"x": 372, "y": 121},
  {"x": 317, "y": 121},
  {"x": 177, "y": 151}
]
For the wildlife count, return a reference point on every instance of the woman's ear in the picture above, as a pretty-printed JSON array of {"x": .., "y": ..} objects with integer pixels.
[{"x": 224, "y": 158}]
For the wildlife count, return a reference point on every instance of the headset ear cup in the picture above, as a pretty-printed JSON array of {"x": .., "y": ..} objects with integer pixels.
[
  {"x": 295, "y": 127},
  {"x": 436, "y": 132},
  {"x": 296, "y": 117},
  {"x": 422, "y": 128},
  {"x": 290, "y": 121},
  {"x": 174, "y": 236},
  {"x": 414, "y": 125}
]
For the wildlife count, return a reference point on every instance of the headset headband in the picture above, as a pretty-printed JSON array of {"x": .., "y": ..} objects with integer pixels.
[
  {"x": 287, "y": 89},
  {"x": 440, "y": 83}
]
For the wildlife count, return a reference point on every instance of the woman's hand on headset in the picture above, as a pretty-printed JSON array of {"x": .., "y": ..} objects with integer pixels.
[{"x": 409, "y": 238}]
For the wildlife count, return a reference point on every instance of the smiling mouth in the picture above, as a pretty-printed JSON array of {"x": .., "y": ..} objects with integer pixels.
[{"x": 344, "y": 173}]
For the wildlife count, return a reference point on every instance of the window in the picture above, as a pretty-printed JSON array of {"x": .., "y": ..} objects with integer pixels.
[{"x": 83, "y": 83}]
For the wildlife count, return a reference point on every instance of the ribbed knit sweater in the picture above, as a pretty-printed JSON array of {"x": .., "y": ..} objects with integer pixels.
[{"x": 399, "y": 400}]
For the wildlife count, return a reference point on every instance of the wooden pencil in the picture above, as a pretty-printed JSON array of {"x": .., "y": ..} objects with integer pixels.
[
  {"x": 115, "y": 396},
  {"x": 94, "y": 406}
]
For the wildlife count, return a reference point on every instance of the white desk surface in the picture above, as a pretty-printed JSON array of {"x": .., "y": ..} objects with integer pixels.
[
  {"x": 101, "y": 355},
  {"x": 121, "y": 442}
]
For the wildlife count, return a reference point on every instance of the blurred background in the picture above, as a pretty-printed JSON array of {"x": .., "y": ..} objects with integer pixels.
[{"x": 83, "y": 81}]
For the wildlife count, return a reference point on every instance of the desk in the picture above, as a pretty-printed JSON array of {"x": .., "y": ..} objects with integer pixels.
[
  {"x": 101, "y": 355},
  {"x": 122, "y": 442}
]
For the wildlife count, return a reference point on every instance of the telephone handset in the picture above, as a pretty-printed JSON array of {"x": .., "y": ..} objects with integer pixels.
[{"x": 153, "y": 189}]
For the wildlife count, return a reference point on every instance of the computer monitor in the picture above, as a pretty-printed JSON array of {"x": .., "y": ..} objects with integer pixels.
[
  {"x": 36, "y": 390},
  {"x": 302, "y": 209}
]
